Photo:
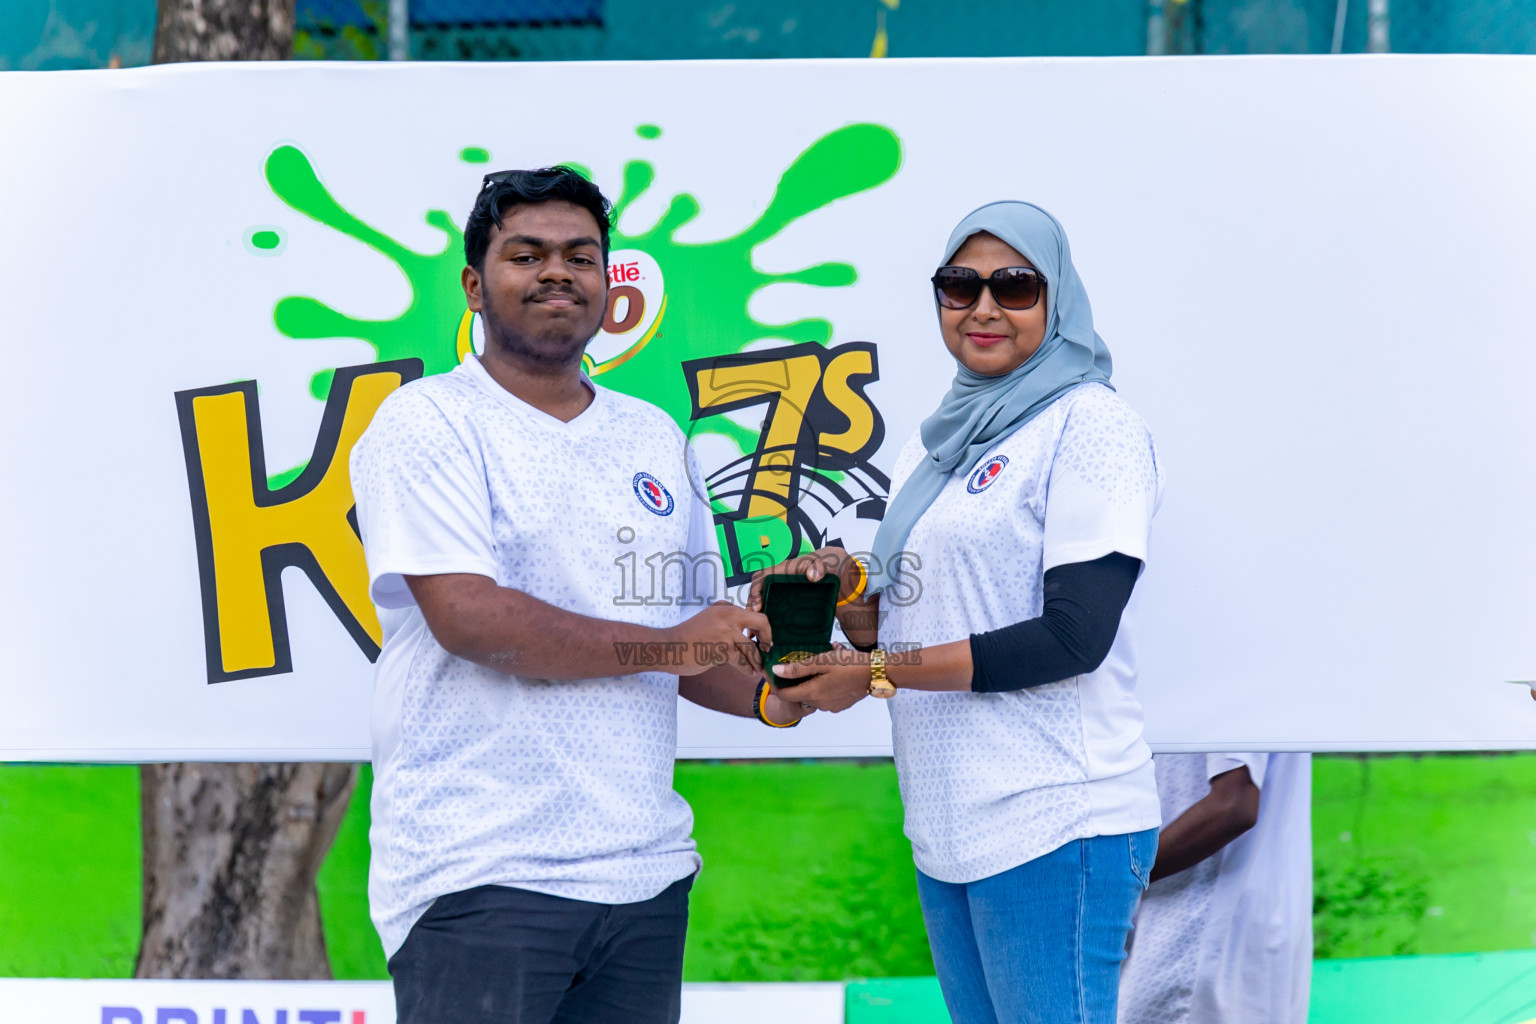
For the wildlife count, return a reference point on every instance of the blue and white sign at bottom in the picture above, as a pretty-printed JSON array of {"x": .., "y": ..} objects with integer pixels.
[{"x": 66, "y": 1001}]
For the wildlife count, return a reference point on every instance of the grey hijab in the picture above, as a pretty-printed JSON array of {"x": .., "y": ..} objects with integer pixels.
[{"x": 978, "y": 411}]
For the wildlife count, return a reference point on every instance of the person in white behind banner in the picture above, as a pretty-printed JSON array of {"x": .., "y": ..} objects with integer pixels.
[
  {"x": 1224, "y": 935},
  {"x": 531, "y": 860}
]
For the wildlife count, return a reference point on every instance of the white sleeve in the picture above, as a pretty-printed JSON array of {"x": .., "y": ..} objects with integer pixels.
[
  {"x": 703, "y": 541},
  {"x": 422, "y": 504},
  {"x": 1220, "y": 764},
  {"x": 1103, "y": 486}
]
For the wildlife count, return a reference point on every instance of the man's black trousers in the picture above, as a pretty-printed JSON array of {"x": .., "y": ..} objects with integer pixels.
[{"x": 496, "y": 955}]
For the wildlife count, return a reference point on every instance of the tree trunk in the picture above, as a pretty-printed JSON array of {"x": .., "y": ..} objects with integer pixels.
[
  {"x": 223, "y": 30},
  {"x": 231, "y": 853}
]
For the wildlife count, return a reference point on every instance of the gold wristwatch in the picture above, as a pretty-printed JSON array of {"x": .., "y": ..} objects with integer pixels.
[{"x": 879, "y": 686}]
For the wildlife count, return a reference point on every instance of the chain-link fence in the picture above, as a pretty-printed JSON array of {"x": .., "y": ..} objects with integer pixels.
[
  {"x": 1341, "y": 26},
  {"x": 683, "y": 29},
  {"x": 694, "y": 29},
  {"x": 43, "y": 34}
]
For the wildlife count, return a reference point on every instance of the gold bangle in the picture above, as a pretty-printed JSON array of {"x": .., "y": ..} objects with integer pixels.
[{"x": 859, "y": 588}]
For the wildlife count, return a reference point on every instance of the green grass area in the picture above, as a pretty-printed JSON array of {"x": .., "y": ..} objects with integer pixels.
[
  {"x": 69, "y": 871},
  {"x": 343, "y": 883},
  {"x": 1424, "y": 853},
  {"x": 806, "y": 873},
  {"x": 807, "y": 876}
]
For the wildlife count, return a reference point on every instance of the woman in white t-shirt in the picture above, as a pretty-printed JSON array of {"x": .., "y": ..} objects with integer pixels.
[{"x": 1009, "y": 555}]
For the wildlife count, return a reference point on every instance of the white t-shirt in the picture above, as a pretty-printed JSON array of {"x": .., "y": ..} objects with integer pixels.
[
  {"x": 1229, "y": 941},
  {"x": 483, "y": 778},
  {"x": 993, "y": 780}
]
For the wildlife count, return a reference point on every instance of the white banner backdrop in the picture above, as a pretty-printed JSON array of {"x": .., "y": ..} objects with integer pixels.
[{"x": 1314, "y": 275}]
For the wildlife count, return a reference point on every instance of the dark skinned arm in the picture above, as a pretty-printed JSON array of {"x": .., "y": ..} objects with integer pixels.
[
  {"x": 509, "y": 631},
  {"x": 1073, "y": 635},
  {"x": 729, "y": 690},
  {"x": 1226, "y": 812},
  {"x": 838, "y": 679}
]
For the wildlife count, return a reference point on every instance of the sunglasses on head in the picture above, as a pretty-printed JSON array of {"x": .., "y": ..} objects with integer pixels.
[{"x": 1012, "y": 287}]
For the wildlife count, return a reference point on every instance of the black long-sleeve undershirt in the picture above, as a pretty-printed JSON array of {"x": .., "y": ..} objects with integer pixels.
[{"x": 1073, "y": 635}]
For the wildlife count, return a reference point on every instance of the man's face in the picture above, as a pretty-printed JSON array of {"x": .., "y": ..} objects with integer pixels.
[{"x": 543, "y": 289}]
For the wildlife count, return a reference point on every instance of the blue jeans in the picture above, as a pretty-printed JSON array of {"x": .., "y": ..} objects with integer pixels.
[{"x": 1040, "y": 943}]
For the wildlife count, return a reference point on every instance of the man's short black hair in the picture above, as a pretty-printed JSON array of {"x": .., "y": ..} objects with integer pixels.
[{"x": 505, "y": 189}]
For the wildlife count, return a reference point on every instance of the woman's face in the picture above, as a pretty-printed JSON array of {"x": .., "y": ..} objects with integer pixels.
[{"x": 986, "y": 338}]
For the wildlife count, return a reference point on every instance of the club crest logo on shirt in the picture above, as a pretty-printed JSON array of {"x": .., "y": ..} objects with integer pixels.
[
  {"x": 653, "y": 495},
  {"x": 986, "y": 473}
]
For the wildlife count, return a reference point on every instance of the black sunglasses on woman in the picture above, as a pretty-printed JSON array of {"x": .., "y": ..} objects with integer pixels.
[{"x": 1012, "y": 287}]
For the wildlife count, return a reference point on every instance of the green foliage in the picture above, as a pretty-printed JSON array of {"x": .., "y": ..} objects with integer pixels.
[
  {"x": 1461, "y": 826},
  {"x": 1365, "y": 908},
  {"x": 349, "y": 42},
  {"x": 850, "y": 935},
  {"x": 69, "y": 871},
  {"x": 807, "y": 876},
  {"x": 350, "y": 940},
  {"x": 806, "y": 872}
]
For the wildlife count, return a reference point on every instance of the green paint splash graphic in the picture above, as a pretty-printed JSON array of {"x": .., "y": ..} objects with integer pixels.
[
  {"x": 427, "y": 327},
  {"x": 709, "y": 285}
]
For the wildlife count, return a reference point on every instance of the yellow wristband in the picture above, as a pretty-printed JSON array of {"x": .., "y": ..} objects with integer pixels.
[
  {"x": 762, "y": 708},
  {"x": 859, "y": 587}
]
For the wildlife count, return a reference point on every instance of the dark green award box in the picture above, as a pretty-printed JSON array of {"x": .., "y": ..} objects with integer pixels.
[{"x": 801, "y": 613}]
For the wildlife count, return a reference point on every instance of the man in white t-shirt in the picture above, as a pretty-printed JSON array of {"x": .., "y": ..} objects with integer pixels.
[
  {"x": 1224, "y": 934},
  {"x": 531, "y": 860}
]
